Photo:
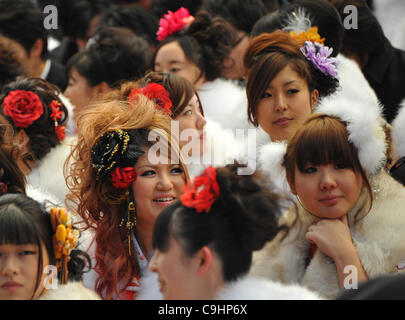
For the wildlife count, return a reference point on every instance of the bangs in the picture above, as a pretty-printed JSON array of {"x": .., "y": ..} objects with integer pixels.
[
  {"x": 325, "y": 141},
  {"x": 17, "y": 228}
]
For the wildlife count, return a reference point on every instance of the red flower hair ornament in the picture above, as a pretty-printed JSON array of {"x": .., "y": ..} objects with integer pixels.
[
  {"x": 24, "y": 107},
  {"x": 155, "y": 92},
  {"x": 122, "y": 178},
  {"x": 202, "y": 192},
  {"x": 173, "y": 22},
  {"x": 55, "y": 115}
]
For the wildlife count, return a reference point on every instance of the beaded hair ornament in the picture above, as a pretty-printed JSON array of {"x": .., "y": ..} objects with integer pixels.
[
  {"x": 65, "y": 239},
  {"x": 298, "y": 25},
  {"x": 202, "y": 192},
  {"x": 174, "y": 22},
  {"x": 113, "y": 157},
  {"x": 25, "y": 107}
]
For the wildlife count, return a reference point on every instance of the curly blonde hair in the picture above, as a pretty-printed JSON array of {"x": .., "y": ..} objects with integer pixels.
[{"x": 113, "y": 262}]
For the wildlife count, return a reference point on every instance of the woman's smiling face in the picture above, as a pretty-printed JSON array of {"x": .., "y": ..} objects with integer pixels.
[{"x": 156, "y": 187}]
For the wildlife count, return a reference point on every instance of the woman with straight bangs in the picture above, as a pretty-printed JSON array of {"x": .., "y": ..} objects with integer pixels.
[
  {"x": 304, "y": 20},
  {"x": 350, "y": 210},
  {"x": 120, "y": 182},
  {"x": 27, "y": 238}
]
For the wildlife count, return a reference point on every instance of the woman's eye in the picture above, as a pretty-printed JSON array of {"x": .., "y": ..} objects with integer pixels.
[
  {"x": 292, "y": 91},
  {"x": 266, "y": 95},
  {"x": 174, "y": 70},
  {"x": 188, "y": 113},
  {"x": 148, "y": 173},
  {"x": 340, "y": 166},
  {"x": 177, "y": 170},
  {"x": 27, "y": 253},
  {"x": 309, "y": 170}
]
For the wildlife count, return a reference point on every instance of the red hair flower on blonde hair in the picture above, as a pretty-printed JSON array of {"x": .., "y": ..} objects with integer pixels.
[
  {"x": 202, "y": 192},
  {"x": 155, "y": 92},
  {"x": 173, "y": 22},
  {"x": 24, "y": 107},
  {"x": 122, "y": 178}
]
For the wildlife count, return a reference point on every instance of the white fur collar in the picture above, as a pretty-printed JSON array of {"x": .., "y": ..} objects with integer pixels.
[
  {"x": 47, "y": 177},
  {"x": 71, "y": 291},
  {"x": 254, "y": 288},
  {"x": 149, "y": 289}
]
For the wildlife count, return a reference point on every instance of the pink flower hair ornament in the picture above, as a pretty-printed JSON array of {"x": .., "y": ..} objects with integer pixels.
[{"x": 173, "y": 22}]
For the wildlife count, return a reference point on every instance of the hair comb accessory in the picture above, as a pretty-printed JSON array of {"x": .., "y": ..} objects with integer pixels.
[
  {"x": 173, "y": 22},
  {"x": 65, "y": 239},
  {"x": 202, "y": 192},
  {"x": 319, "y": 55},
  {"x": 24, "y": 107},
  {"x": 155, "y": 92}
]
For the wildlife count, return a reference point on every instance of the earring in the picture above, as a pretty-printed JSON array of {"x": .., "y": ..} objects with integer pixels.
[{"x": 130, "y": 224}]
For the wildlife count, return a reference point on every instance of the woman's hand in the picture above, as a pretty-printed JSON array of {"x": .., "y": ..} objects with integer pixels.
[{"x": 333, "y": 238}]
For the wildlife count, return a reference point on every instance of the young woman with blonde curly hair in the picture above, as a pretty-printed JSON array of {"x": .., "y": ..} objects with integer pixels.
[{"x": 120, "y": 182}]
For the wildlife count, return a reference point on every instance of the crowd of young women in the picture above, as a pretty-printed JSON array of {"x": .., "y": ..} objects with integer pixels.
[{"x": 163, "y": 199}]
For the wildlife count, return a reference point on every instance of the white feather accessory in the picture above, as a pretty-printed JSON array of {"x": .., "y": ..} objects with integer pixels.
[
  {"x": 298, "y": 21},
  {"x": 271, "y": 162},
  {"x": 362, "y": 118},
  {"x": 398, "y": 131}
]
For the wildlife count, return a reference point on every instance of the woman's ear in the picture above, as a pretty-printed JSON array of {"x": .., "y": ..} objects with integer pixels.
[
  {"x": 102, "y": 88},
  {"x": 205, "y": 257},
  {"x": 314, "y": 98}
]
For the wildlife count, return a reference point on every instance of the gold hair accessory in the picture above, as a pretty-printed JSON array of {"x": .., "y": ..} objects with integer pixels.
[
  {"x": 65, "y": 239},
  {"x": 130, "y": 223}
]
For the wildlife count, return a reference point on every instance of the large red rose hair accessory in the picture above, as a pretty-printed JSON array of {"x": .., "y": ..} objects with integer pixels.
[
  {"x": 24, "y": 107},
  {"x": 173, "y": 22},
  {"x": 155, "y": 92},
  {"x": 202, "y": 192}
]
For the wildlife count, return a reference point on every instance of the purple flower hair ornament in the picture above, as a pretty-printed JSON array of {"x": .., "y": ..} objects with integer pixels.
[{"x": 319, "y": 55}]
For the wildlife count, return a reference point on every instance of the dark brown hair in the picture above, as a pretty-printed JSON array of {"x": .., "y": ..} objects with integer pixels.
[{"x": 267, "y": 55}]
